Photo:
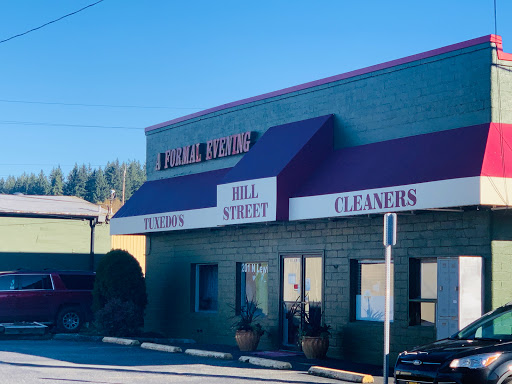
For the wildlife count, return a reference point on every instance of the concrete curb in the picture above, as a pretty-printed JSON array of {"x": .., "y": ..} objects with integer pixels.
[
  {"x": 76, "y": 337},
  {"x": 161, "y": 347},
  {"x": 216, "y": 355},
  {"x": 265, "y": 362},
  {"x": 341, "y": 375},
  {"x": 117, "y": 340}
]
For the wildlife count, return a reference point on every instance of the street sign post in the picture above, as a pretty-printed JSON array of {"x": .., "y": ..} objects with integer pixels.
[{"x": 389, "y": 240}]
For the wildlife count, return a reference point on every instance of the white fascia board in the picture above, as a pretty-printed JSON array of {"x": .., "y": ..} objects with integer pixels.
[
  {"x": 435, "y": 194},
  {"x": 161, "y": 222}
]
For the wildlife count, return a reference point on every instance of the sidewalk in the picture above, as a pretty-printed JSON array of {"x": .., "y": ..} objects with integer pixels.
[{"x": 296, "y": 358}]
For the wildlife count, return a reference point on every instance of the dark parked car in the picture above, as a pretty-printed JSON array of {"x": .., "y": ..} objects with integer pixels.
[
  {"x": 481, "y": 353},
  {"x": 60, "y": 298}
]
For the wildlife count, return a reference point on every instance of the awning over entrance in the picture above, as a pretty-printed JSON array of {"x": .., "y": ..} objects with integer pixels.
[
  {"x": 183, "y": 202},
  {"x": 258, "y": 188},
  {"x": 453, "y": 168}
]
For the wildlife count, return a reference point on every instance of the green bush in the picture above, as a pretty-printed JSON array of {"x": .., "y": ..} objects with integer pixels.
[
  {"x": 118, "y": 318},
  {"x": 119, "y": 276}
]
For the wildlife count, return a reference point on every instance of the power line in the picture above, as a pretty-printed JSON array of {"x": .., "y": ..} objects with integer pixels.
[
  {"x": 15, "y": 122},
  {"x": 94, "y": 105},
  {"x": 50, "y": 22}
]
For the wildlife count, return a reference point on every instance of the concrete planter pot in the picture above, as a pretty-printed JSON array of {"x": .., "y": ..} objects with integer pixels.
[
  {"x": 247, "y": 340},
  {"x": 315, "y": 347}
]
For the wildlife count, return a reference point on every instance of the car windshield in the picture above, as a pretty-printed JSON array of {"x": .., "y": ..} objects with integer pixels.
[{"x": 495, "y": 325}]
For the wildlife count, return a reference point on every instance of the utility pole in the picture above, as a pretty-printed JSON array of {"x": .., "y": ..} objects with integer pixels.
[{"x": 124, "y": 181}]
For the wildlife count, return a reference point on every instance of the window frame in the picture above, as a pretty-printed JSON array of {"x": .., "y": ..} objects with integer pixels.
[
  {"x": 355, "y": 280},
  {"x": 238, "y": 281},
  {"x": 195, "y": 272},
  {"x": 414, "y": 292}
]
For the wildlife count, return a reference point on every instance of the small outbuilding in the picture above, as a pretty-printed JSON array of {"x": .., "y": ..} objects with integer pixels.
[{"x": 51, "y": 232}]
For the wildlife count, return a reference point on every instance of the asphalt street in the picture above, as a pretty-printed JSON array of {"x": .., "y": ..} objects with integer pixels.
[{"x": 57, "y": 361}]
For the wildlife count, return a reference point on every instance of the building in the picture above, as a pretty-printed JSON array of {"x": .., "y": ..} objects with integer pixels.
[
  {"x": 51, "y": 232},
  {"x": 280, "y": 198}
]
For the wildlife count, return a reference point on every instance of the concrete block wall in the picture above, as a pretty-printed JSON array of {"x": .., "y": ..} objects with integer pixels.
[
  {"x": 438, "y": 93},
  {"x": 171, "y": 256},
  {"x": 500, "y": 265},
  {"x": 501, "y": 87}
]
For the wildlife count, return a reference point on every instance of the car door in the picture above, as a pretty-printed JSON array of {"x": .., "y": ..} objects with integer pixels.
[
  {"x": 35, "y": 297},
  {"x": 7, "y": 298}
]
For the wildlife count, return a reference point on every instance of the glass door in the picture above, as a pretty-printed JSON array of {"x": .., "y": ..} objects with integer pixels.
[{"x": 301, "y": 293}]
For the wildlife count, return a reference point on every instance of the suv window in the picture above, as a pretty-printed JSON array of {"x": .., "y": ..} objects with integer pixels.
[
  {"x": 27, "y": 282},
  {"x": 78, "y": 282},
  {"x": 494, "y": 325},
  {"x": 7, "y": 283}
]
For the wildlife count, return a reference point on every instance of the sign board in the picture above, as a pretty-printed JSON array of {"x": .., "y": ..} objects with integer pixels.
[
  {"x": 389, "y": 229},
  {"x": 249, "y": 201}
]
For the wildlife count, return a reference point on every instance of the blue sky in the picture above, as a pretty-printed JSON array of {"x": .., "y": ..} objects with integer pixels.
[{"x": 187, "y": 56}]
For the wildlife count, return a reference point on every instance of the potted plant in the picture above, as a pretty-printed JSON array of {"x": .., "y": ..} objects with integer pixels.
[
  {"x": 315, "y": 333},
  {"x": 248, "y": 332}
]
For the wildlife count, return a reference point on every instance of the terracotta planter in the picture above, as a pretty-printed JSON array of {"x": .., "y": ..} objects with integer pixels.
[
  {"x": 247, "y": 340},
  {"x": 315, "y": 347}
]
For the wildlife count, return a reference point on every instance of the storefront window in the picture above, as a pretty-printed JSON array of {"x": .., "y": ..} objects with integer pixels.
[
  {"x": 422, "y": 291},
  {"x": 370, "y": 290},
  {"x": 253, "y": 285},
  {"x": 206, "y": 287}
]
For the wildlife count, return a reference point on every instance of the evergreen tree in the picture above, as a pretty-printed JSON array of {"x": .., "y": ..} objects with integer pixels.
[
  {"x": 83, "y": 181},
  {"x": 114, "y": 177},
  {"x": 56, "y": 182},
  {"x": 42, "y": 186},
  {"x": 10, "y": 182},
  {"x": 83, "y": 176},
  {"x": 97, "y": 188},
  {"x": 90, "y": 187},
  {"x": 102, "y": 190},
  {"x": 21, "y": 184},
  {"x": 31, "y": 184},
  {"x": 71, "y": 181},
  {"x": 135, "y": 177},
  {"x": 76, "y": 182}
]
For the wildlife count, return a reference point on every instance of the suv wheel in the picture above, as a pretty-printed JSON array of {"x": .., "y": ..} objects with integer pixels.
[{"x": 69, "y": 320}]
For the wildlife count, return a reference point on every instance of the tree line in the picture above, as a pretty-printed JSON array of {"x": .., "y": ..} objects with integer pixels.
[{"x": 93, "y": 185}]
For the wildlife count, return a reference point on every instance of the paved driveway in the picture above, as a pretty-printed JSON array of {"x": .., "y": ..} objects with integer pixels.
[{"x": 56, "y": 361}]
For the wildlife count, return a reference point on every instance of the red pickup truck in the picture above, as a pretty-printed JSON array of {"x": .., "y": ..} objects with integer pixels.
[{"x": 60, "y": 298}]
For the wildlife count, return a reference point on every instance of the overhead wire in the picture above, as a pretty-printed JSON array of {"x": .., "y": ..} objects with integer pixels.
[
  {"x": 16, "y": 122},
  {"x": 95, "y": 105},
  {"x": 50, "y": 22}
]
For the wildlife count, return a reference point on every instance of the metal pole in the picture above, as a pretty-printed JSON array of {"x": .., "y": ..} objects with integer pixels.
[
  {"x": 387, "y": 311},
  {"x": 92, "y": 224}
]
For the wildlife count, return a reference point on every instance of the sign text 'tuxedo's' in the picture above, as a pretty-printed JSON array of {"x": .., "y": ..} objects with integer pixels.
[{"x": 195, "y": 153}]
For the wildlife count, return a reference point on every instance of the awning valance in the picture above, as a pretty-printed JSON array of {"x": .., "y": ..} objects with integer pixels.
[{"x": 183, "y": 202}]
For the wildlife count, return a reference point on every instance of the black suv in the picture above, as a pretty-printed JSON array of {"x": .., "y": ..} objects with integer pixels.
[
  {"x": 481, "y": 353},
  {"x": 60, "y": 298}
]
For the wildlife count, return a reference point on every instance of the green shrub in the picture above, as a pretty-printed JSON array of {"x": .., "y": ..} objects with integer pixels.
[
  {"x": 118, "y": 318},
  {"x": 119, "y": 276}
]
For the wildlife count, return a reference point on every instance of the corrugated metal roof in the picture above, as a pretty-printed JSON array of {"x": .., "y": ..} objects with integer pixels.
[{"x": 66, "y": 207}]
